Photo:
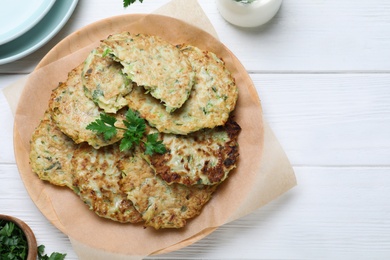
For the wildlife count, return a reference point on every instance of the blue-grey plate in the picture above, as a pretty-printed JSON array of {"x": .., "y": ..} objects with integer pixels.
[
  {"x": 40, "y": 34},
  {"x": 19, "y": 16}
]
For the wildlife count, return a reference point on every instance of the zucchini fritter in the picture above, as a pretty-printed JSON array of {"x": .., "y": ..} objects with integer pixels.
[
  {"x": 161, "y": 205},
  {"x": 212, "y": 98},
  {"x": 104, "y": 82},
  {"x": 72, "y": 111},
  {"x": 154, "y": 64},
  {"x": 51, "y": 152},
  {"x": 96, "y": 179},
  {"x": 205, "y": 157}
]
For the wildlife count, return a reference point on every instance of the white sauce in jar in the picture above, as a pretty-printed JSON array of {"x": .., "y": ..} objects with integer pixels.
[{"x": 250, "y": 13}]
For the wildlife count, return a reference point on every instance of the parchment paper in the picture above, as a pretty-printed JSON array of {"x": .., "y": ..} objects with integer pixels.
[{"x": 263, "y": 172}]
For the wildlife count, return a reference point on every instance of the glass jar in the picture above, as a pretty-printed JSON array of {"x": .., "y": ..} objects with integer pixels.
[{"x": 248, "y": 13}]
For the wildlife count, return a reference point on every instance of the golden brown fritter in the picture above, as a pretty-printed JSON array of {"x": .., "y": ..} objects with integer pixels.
[
  {"x": 96, "y": 181},
  {"x": 154, "y": 64},
  {"x": 212, "y": 98},
  {"x": 161, "y": 205},
  {"x": 51, "y": 152},
  {"x": 104, "y": 82},
  {"x": 205, "y": 157},
  {"x": 72, "y": 111}
]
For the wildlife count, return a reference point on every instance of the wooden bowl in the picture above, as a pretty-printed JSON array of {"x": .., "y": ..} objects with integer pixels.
[{"x": 31, "y": 241}]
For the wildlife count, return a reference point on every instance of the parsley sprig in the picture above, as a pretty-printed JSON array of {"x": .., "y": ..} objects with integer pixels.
[
  {"x": 133, "y": 133},
  {"x": 126, "y": 3},
  {"x": 53, "y": 256}
]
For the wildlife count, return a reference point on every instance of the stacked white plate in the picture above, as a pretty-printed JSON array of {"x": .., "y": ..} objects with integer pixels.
[{"x": 28, "y": 25}]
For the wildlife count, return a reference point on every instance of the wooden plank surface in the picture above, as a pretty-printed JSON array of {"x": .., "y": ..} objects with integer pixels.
[
  {"x": 329, "y": 119},
  {"x": 334, "y": 212},
  {"x": 305, "y": 35},
  {"x": 322, "y": 72}
]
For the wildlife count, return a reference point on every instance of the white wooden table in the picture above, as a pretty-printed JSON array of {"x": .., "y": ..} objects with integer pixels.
[{"x": 322, "y": 71}]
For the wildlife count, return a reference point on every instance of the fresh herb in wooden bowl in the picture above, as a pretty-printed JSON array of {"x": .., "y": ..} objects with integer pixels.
[{"x": 17, "y": 241}]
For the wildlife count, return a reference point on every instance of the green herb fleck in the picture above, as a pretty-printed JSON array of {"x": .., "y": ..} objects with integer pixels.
[
  {"x": 97, "y": 93},
  {"x": 106, "y": 52}
]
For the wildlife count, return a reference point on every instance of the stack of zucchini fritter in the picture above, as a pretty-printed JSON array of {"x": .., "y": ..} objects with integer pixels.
[{"x": 185, "y": 94}]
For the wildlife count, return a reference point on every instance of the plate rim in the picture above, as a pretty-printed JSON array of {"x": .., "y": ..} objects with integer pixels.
[
  {"x": 30, "y": 22},
  {"x": 24, "y": 51},
  {"x": 52, "y": 56}
]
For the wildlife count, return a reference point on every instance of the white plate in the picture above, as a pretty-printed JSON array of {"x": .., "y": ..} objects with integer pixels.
[
  {"x": 40, "y": 34},
  {"x": 19, "y": 16}
]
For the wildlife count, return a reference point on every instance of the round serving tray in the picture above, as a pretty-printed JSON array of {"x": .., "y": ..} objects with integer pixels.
[{"x": 66, "y": 211}]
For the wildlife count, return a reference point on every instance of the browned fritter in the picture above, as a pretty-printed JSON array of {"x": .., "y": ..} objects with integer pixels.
[
  {"x": 72, "y": 111},
  {"x": 96, "y": 181},
  {"x": 104, "y": 82},
  {"x": 205, "y": 157},
  {"x": 212, "y": 98},
  {"x": 161, "y": 205},
  {"x": 156, "y": 65},
  {"x": 51, "y": 152}
]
